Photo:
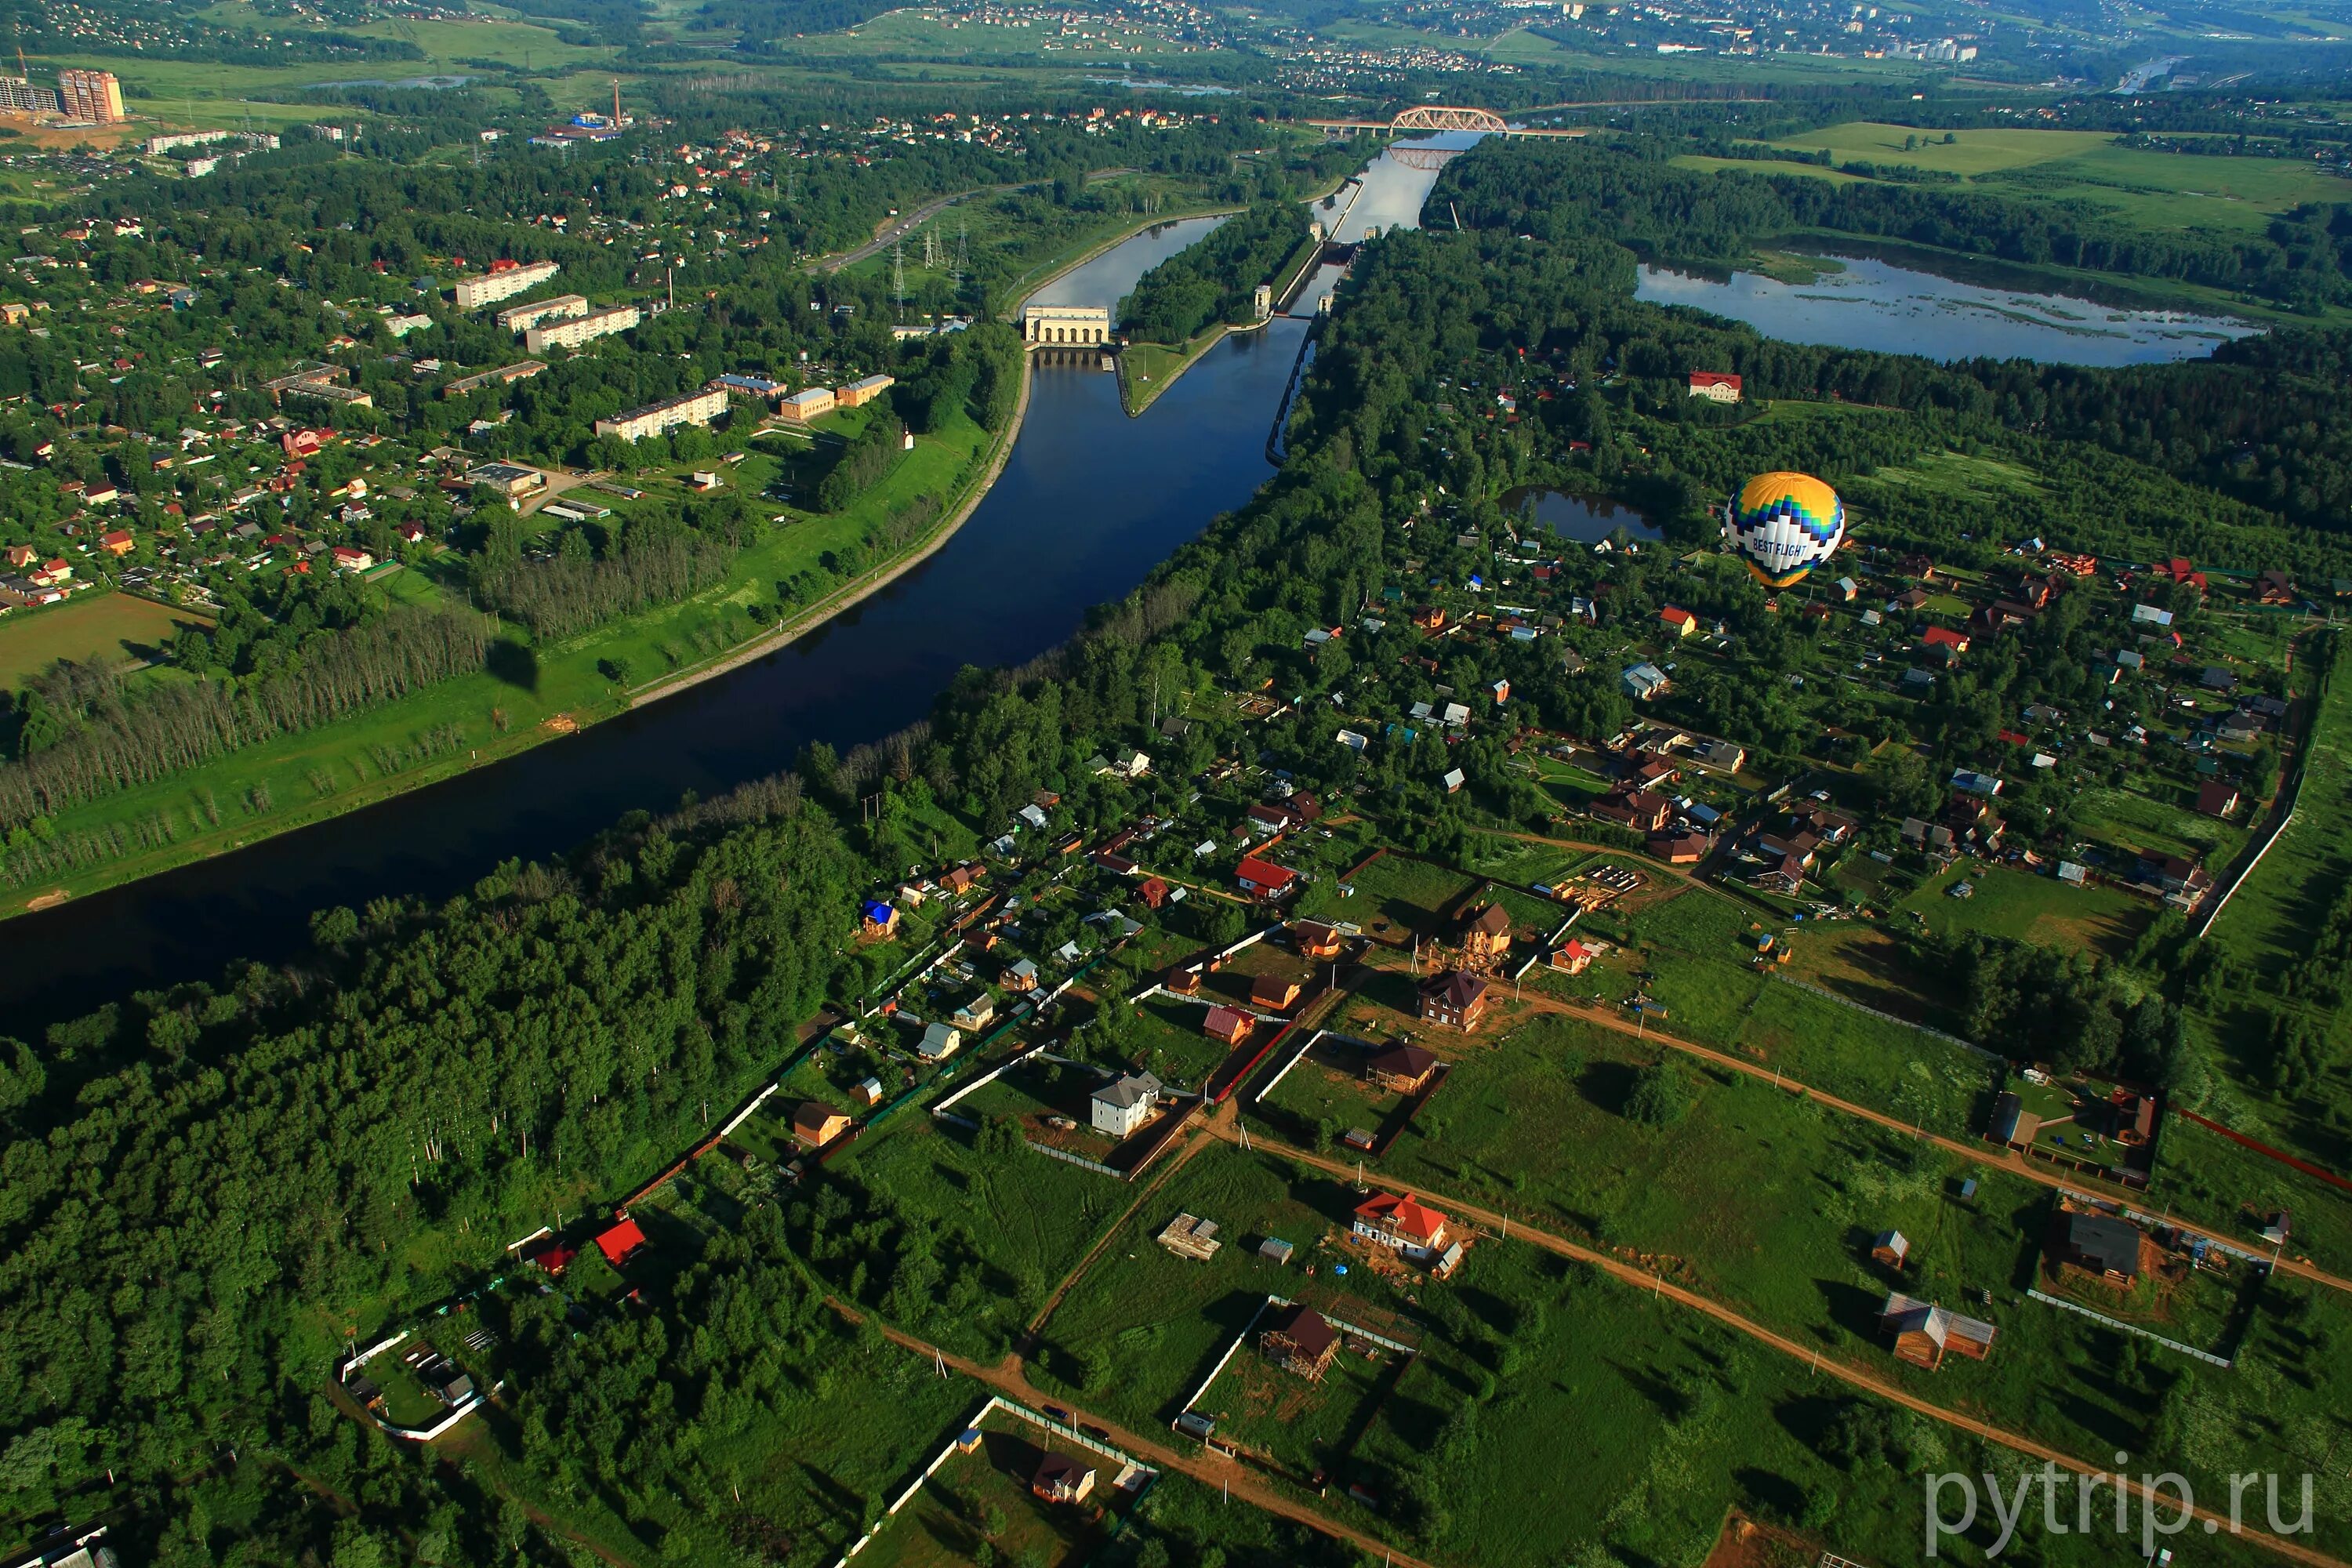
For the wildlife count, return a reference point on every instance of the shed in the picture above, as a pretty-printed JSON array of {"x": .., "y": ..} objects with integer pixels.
[
  {"x": 1275, "y": 1250},
  {"x": 1892, "y": 1248}
]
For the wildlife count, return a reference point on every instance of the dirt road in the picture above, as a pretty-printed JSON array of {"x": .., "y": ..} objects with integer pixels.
[
  {"x": 1983, "y": 1153},
  {"x": 1843, "y": 1372}
]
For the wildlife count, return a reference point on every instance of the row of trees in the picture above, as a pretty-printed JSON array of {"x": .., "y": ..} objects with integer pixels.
[
  {"x": 83, "y": 733},
  {"x": 1215, "y": 278}
]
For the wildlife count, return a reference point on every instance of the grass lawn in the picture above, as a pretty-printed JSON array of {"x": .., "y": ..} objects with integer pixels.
[
  {"x": 1395, "y": 897},
  {"x": 106, "y": 627},
  {"x": 1971, "y": 153},
  {"x": 1765, "y": 166},
  {"x": 2268, "y": 918},
  {"x": 985, "y": 1497},
  {"x": 2014, "y": 903},
  {"x": 2178, "y": 191}
]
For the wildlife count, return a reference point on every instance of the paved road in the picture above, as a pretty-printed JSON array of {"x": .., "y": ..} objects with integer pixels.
[
  {"x": 1855, "y": 1377},
  {"x": 894, "y": 229}
]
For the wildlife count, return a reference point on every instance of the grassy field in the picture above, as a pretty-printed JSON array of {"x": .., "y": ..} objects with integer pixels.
[
  {"x": 2266, "y": 921},
  {"x": 1971, "y": 153},
  {"x": 2011, "y": 902},
  {"x": 984, "y": 1498},
  {"x": 105, "y": 627},
  {"x": 1765, "y": 166},
  {"x": 2173, "y": 191},
  {"x": 298, "y": 779}
]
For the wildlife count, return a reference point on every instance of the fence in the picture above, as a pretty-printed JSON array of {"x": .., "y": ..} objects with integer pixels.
[
  {"x": 1078, "y": 1159},
  {"x": 1311, "y": 1042},
  {"x": 1218, "y": 1371},
  {"x": 2102, "y": 1317},
  {"x": 948, "y": 1451},
  {"x": 2263, "y": 1149}
]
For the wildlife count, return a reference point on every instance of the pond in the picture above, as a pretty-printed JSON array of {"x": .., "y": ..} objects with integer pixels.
[
  {"x": 1587, "y": 520},
  {"x": 1873, "y": 304}
]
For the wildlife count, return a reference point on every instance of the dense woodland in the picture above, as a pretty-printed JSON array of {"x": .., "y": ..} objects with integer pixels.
[{"x": 1215, "y": 280}]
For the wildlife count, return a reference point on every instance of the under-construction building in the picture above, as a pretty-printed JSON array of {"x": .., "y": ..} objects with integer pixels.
[
  {"x": 94, "y": 96},
  {"x": 19, "y": 96}
]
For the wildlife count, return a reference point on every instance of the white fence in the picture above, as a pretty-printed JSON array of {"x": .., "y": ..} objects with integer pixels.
[{"x": 2205, "y": 1356}]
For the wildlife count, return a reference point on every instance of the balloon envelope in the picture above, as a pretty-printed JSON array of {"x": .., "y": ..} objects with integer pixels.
[{"x": 1784, "y": 525}]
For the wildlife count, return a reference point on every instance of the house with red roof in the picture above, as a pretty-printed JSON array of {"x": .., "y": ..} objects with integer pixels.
[
  {"x": 555, "y": 1258},
  {"x": 2179, "y": 570},
  {"x": 1263, "y": 879},
  {"x": 1571, "y": 957},
  {"x": 1716, "y": 387},
  {"x": 1943, "y": 636},
  {"x": 1410, "y": 1228},
  {"x": 621, "y": 1242},
  {"x": 1677, "y": 620}
]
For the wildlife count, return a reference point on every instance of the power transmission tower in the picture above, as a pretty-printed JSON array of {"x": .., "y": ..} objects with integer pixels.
[{"x": 898, "y": 277}]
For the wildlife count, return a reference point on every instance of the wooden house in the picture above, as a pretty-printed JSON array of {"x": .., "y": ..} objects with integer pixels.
[
  {"x": 1273, "y": 993},
  {"x": 1925, "y": 1332},
  {"x": 1401, "y": 1067},
  {"x": 1891, "y": 1248},
  {"x": 817, "y": 1124},
  {"x": 1228, "y": 1025},
  {"x": 1486, "y": 932},
  {"x": 1315, "y": 940},
  {"x": 1299, "y": 1341}
]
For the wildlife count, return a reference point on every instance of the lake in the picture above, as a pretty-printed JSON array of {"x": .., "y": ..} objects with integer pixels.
[
  {"x": 1874, "y": 304},
  {"x": 1585, "y": 518}
]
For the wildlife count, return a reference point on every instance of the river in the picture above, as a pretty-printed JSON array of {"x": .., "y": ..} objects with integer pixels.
[{"x": 1089, "y": 501}]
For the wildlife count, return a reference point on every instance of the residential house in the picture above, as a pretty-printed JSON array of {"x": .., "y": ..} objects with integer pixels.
[
  {"x": 1944, "y": 637},
  {"x": 1678, "y": 621},
  {"x": 2275, "y": 587},
  {"x": 1571, "y": 957},
  {"x": 620, "y": 1241},
  {"x": 1401, "y": 1067},
  {"x": 878, "y": 920},
  {"x": 1060, "y": 1478},
  {"x": 975, "y": 1013},
  {"x": 1716, "y": 387},
  {"x": 2215, "y": 798},
  {"x": 1229, "y": 1024},
  {"x": 1486, "y": 932},
  {"x": 1273, "y": 993},
  {"x": 1263, "y": 879},
  {"x": 1299, "y": 1341},
  {"x": 1681, "y": 848},
  {"x": 1644, "y": 811},
  {"x": 1020, "y": 976},
  {"x": 1925, "y": 1332},
  {"x": 1410, "y": 1228},
  {"x": 817, "y": 1124},
  {"x": 1125, "y": 1103},
  {"x": 1315, "y": 939},
  {"x": 940, "y": 1042},
  {"x": 1644, "y": 682},
  {"x": 1453, "y": 998},
  {"x": 116, "y": 543},
  {"x": 2098, "y": 1245}
]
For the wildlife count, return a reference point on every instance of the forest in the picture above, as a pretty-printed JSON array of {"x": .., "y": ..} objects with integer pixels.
[{"x": 1215, "y": 279}]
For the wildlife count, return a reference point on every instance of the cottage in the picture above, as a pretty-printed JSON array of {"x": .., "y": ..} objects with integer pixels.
[
  {"x": 1644, "y": 682},
  {"x": 817, "y": 1124},
  {"x": 878, "y": 920},
  {"x": 1299, "y": 1341},
  {"x": 1486, "y": 932},
  {"x": 1060, "y": 1478},
  {"x": 1125, "y": 1103},
  {"x": 940, "y": 1042},
  {"x": 620, "y": 1241},
  {"x": 976, "y": 1014},
  {"x": 1455, "y": 998},
  {"x": 1401, "y": 1067},
  {"x": 1315, "y": 940},
  {"x": 118, "y": 542},
  {"x": 1924, "y": 1332},
  {"x": 1020, "y": 975},
  {"x": 1263, "y": 879},
  {"x": 1571, "y": 957},
  {"x": 1410, "y": 1228},
  {"x": 2215, "y": 798},
  {"x": 1273, "y": 993},
  {"x": 1678, "y": 621},
  {"x": 1230, "y": 1025}
]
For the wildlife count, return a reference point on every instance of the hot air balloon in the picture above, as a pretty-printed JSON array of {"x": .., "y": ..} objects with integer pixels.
[{"x": 1784, "y": 525}]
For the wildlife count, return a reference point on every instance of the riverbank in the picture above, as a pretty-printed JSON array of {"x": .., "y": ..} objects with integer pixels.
[{"x": 375, "y": 757}]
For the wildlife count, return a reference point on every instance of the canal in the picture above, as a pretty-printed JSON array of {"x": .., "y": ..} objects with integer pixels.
[{"x": 1089, "y": 501}]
